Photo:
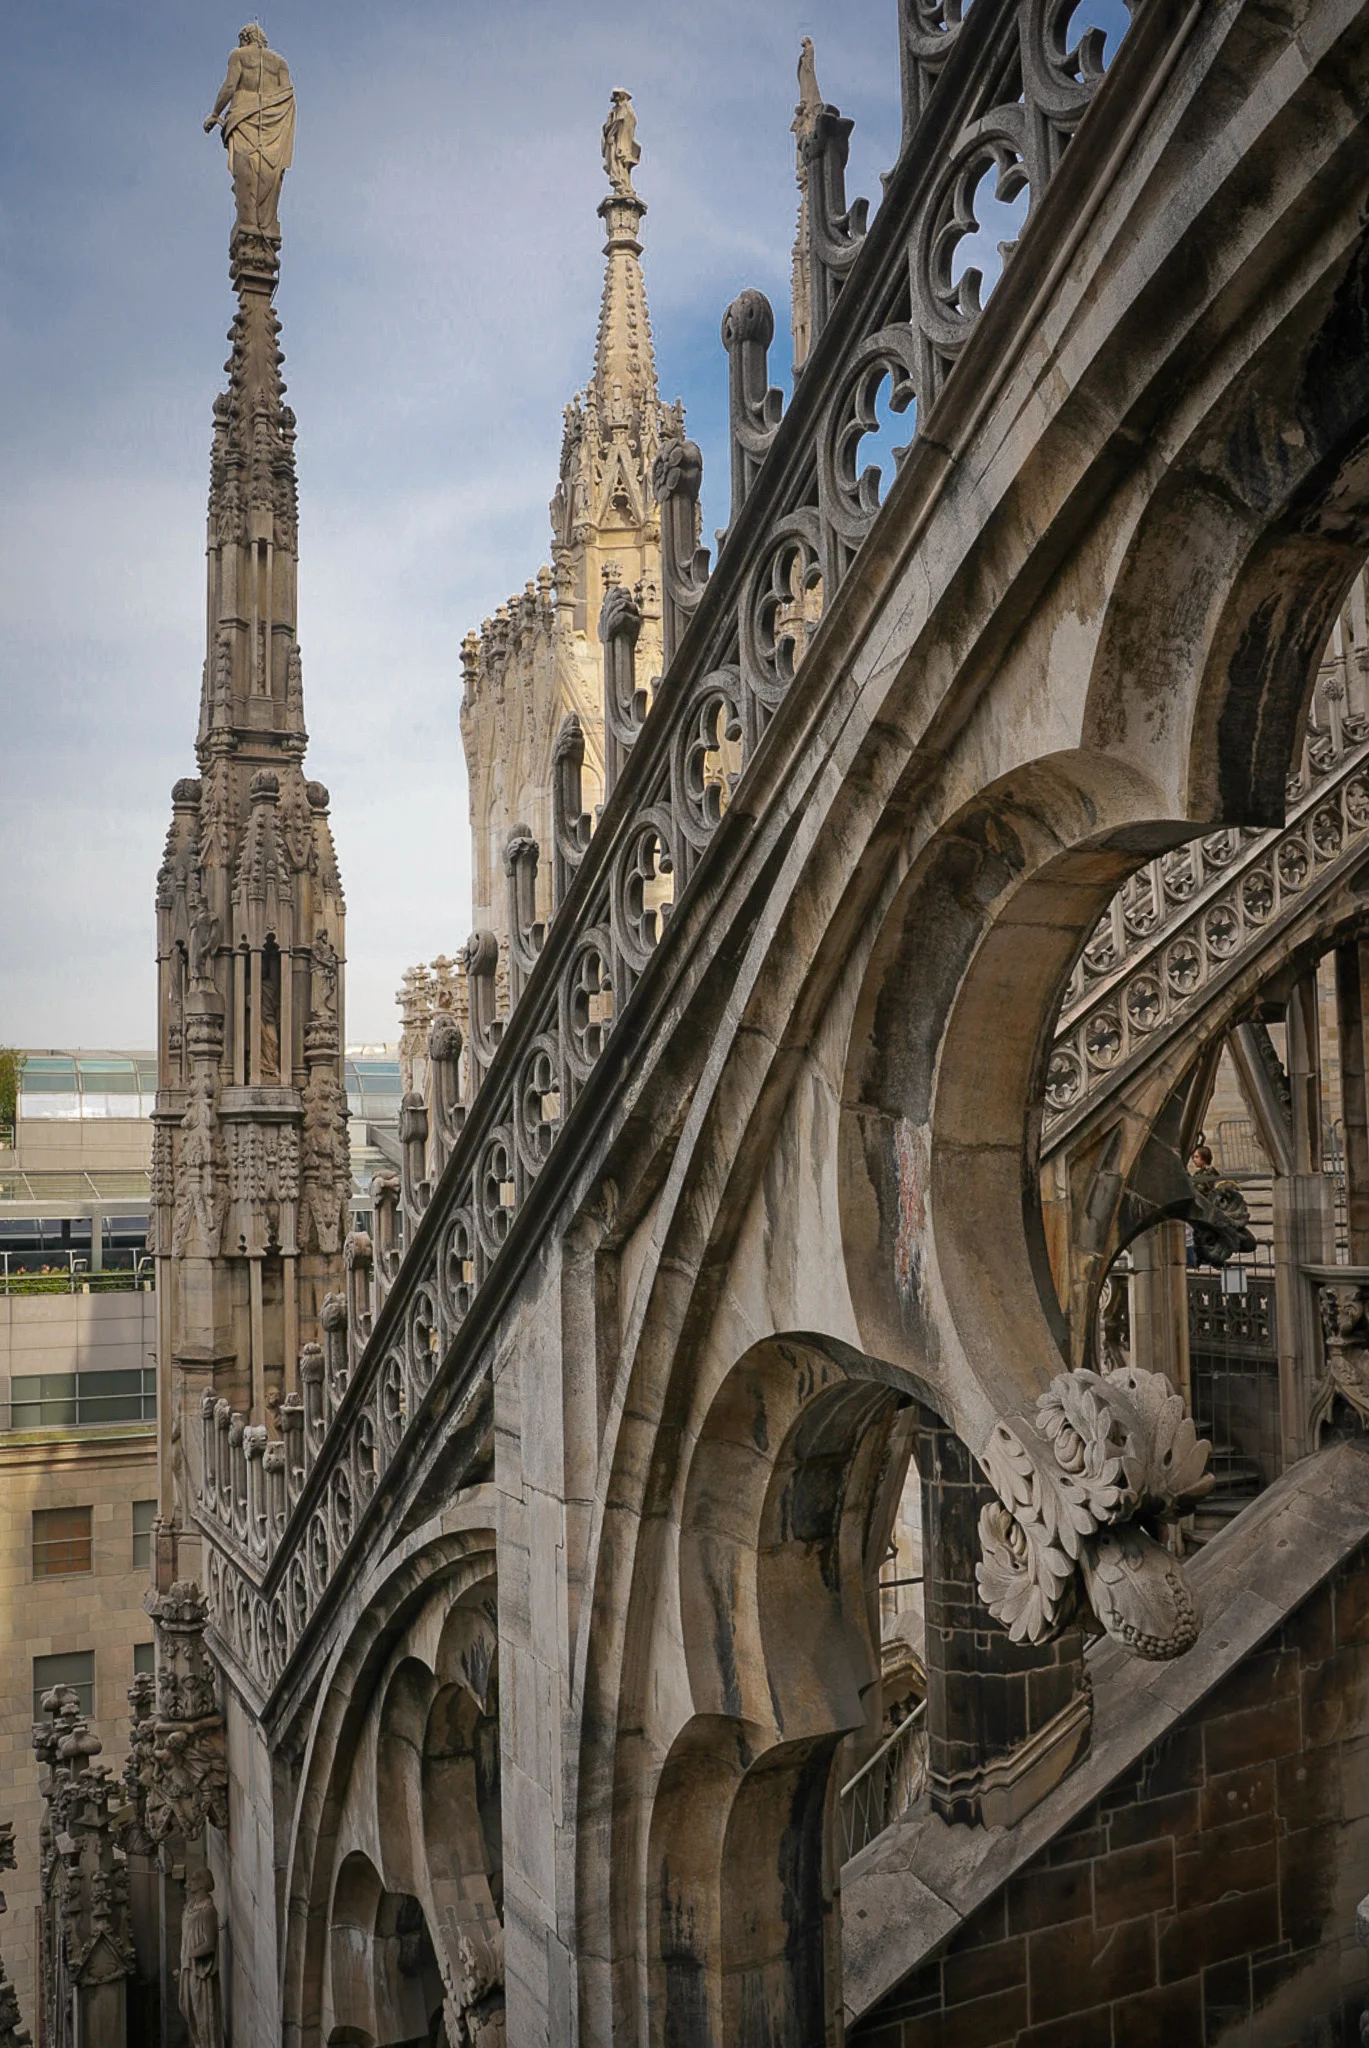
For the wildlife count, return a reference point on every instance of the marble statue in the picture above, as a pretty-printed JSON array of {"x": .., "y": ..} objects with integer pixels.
[
  {"x": 200, "y": 1998},
  {"x": 255, "y": 110},
  {"x": 622, "y": 151},
  {"x": 204, "y": 938}
]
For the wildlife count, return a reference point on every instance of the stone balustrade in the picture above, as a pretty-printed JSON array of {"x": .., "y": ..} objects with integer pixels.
[{"x": 1189, "y": 921}]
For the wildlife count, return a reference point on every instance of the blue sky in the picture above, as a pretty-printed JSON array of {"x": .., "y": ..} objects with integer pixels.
[{"x": 441, "y": 274}]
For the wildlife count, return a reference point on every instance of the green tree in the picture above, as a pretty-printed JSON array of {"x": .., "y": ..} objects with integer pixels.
[{"x": 11, "y": 1067}]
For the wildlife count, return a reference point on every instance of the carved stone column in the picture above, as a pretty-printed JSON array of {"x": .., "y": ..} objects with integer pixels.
[
  {"x": 187, "y": 1781},
  {"x": 147, "y": 1904},
  {"x": 85, "y": 1937},
  {"x": 181, "y": 1769},
  {"x": 1159, "y": 1304},
  {"x": 1304, "y": 1221},
  {"x": 12, "y": 2033}
]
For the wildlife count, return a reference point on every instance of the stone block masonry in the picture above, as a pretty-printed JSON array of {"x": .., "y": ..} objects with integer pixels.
[{"x": 1207, "y": 1898}]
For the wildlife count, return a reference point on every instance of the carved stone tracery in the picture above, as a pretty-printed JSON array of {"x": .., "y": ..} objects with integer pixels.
[{"x": 625, "y": 456}]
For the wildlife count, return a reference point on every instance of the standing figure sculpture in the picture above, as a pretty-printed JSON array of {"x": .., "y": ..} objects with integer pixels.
[
  {"x": 256, "y": 111},
  {"x": 622, "y": 151},
  {"x": 200, "y": 1999}
]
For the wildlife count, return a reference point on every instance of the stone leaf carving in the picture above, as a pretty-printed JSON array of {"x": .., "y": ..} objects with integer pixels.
[
  {"x": 182, "y": 1767},
  {"x": 199, "y": 1202},
  {"x": 1107, "y": 1458},
  {"x": 13, "y": 2033},
  {"x": 482, "y": 1988}
]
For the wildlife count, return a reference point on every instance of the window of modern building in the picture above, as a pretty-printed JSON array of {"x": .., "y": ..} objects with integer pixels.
[
  {"x": 109, "y": 1087},
  {"x": 61, "y": 1542},
  {"x": 72, "y": 1400},
  {"x": 144, "y": 1660},
  {"x": 87, "y": 1085},
  {"x": 76, "y": 1669},
  {"x": 47, "y": 1087},
  {"x": 144, "y": 1515},
  {"x": 373, "y": 1090}
]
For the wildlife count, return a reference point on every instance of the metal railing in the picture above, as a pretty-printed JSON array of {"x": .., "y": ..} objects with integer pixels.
[
  {"x": 887, "y": 1786},
  {"x": 69, "y": 1273}
]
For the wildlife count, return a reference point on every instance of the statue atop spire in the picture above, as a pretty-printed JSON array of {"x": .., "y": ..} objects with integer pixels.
[
  {"x": 622, "y": 151},
  {"x": 255, "y": 111}
]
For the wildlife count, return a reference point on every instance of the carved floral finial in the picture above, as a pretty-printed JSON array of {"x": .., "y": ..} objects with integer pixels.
[{"x": 1107, "y": 1460}]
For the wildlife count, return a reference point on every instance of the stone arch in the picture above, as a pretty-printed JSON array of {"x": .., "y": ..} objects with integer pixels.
[
  {"x": 384, "y": 1983},
  {"x": 1000, "y": 674},
  {"x": 399, "y": 1758},
  {"x": 946, "y": 1059},
  {"x": 462, "y": 1820},
  {"x": 1241, "y": 559},
  {"x": 788, "y": 1491},
  {"x": 379, "y": 1749},
  {"x": 356, "y": 1902}
]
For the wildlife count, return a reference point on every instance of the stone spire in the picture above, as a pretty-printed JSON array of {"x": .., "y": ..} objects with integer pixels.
[
  {"x": 250, "y": 1165},
  {"x": 539, "y": 661},
  {"x": 622, "y": 396},
  {"x": 603, "y": 515}
]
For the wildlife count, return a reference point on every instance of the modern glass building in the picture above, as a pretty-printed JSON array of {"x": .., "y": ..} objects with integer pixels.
[
  {"x": 87, "y": 1084},
  {"x": 76, "y": 1201}
]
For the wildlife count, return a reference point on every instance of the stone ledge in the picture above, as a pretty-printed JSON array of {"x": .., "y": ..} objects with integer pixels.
[
  {"x": 78, "y": 1445},
  {"x": 905, "y": 1894}
]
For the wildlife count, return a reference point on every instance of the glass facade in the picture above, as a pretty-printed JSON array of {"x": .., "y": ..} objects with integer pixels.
[
  {"x": 373, "y": 1090},
  {"x": 82, "y": 1400},
  {"x": 78, "y": 1084},
  {"x": 62, "y": 1084}
]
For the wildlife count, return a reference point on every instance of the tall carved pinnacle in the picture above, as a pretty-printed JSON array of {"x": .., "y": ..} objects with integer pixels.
[
  {"x": 252, "y": 670},
  {"x": 624, "y": 385},
  {"x": 252, "y": 1170}
]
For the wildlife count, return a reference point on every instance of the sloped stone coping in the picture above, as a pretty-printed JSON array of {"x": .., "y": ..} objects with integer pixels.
[{"x": 908, "y": 1891}]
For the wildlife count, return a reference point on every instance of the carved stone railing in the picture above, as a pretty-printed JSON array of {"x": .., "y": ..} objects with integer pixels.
[
  {"x": 1187, "y": 923},
  {"x": 893, "y": 308}
]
